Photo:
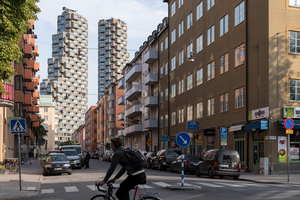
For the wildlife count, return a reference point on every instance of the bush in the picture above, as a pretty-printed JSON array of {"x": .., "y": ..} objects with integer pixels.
[{"x": 2, "y": 167}]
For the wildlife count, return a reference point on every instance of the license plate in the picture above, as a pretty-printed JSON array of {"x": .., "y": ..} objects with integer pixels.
[{"x": 57, "y": 168}]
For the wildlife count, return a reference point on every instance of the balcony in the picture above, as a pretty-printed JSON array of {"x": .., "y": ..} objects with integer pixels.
[
  {"x": 151, "y": 101},
  {"x": 35, "y": 100},
  {"x": 151, "y": 123},
  {"x": 133, "y": 110},
  {"x": 111, "y": 125},
  {"x": 29, "y": 86},
  {"x": 7, "y": 100},
  {"x": 121, "y": 116},
  {"x": 121, "y": 132},
  {"x": 133, "y": 73},
  {"x": 19, "y": 96},
  {"x": 36, "y": 66},
  {"x": 28, "y": 51},
  {"x": 36, "y": 94},
  {"x": 151, "y": 56},
  {"x": 27, "y": 99},
  {"x": 30, "y": 63},
  {"x": 151, "y": 79},
  {"x": 111, "y": 97},
  {"x": 30, "y": 109},
  {"x": 36, "y": 109},
  {"x": 133, "y": 92},
  {"x": 111, "y": 111},
  {"x": 36, "y": 124},
  {"x": 34, "y": 118},
  {"x": 136, "y": 128},
  {"x": 27, "y": 75},
  {"x": 121, "y": 84},
  {"x": 121, "y": 100}
]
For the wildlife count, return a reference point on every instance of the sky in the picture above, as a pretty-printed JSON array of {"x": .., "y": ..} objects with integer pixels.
[{"x": 141, "y": 16}]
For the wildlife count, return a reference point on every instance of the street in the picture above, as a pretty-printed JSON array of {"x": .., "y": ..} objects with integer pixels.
[{"x": 80, "y": 185}]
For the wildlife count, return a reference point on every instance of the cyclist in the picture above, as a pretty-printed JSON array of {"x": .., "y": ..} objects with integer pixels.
[{"x": 134, "y": 177}]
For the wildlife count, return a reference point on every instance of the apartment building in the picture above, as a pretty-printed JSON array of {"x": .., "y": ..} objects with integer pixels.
[
  {"x": 68, "y": 73},
  {"x": 112, "y": 52},
  {"x": 233, "y": 65},
  {"x": 91, "y": 129},
  {"x": 79, "y": 136},
  {"x": 47, "y": 113},
  {"x": 103, "y": 142},
  {"x": 22, "y": 102}
]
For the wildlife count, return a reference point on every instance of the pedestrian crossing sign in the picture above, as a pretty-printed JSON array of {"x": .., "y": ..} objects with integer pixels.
[{"x": 17, "y": 126}]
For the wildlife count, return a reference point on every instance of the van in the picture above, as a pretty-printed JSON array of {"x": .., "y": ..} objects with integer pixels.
[
  {"x": 77, "y": 147},
  {"x": 220, "y": 162}
]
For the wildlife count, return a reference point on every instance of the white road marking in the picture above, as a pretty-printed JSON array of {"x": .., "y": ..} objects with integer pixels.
[
  {"x": 94, "y": 188},
  {"x": 233, "y": 185},
  {"x": 255, "y": 185},
  {"x": 161, "y": 184},
  {"x": 208, "y": 184},
  {"x": 144, "y": 186},
  {"x": 44, "y": 191},
  {"x": 31, "y": 188},
  {"x": 71, "y": 189}
]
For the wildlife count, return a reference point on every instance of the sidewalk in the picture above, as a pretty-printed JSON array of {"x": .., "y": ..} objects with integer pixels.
[
  {"x": 31, "y": 176},
  {"x": 273, "y": 179}
]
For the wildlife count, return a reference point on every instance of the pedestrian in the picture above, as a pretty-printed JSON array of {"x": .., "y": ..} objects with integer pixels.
[
  {"x": 30, "y": 156},
  {"x": 87, "y": 159}
]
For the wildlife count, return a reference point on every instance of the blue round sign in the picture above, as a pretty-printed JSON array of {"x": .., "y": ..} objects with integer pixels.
[{"x": 183, "y": 139}]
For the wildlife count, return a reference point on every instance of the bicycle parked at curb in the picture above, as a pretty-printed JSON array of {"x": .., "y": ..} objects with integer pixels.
[{"x": 108, "y": 193}]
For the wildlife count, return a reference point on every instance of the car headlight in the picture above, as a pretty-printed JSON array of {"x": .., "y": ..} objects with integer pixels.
[
  {"x": 67, "y": 165},
  {"x": 48, "y": 166}
]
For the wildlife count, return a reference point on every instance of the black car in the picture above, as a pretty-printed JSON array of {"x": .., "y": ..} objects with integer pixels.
[
  {"x": 94, "y": 156},
  {"x": 190, "y": 164},
  {"x": 56, "y": 163},
  {"x": 220, "y": 162},
  {"x": 164, "y": 158},
  {"x": 149, "y": 157}
]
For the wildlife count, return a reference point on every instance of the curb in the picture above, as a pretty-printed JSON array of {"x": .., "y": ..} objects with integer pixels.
[
  {"x": 267, "y": 182},
  {"x": 183, "y": 188}
]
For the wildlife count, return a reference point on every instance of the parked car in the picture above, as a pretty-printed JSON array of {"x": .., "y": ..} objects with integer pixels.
[
  {"x": 164, "y": 158},
  {"x": 94, "y": 156},
  {"x": 190, "y": 164},
  {"x": 50, "y": 151},
  {"x": 73, "y": 157},
  {"x": 144, "y": 152},
  {"x": 56, "y": 163},
  {"x": 220, "y": 162},
  {"x": 149, "y": 158},
  {"x": 106, "y": 155},
  {"x": 110, "y": 157}
]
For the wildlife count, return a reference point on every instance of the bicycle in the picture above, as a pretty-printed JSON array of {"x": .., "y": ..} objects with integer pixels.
[{"x": 108, "y": 193}]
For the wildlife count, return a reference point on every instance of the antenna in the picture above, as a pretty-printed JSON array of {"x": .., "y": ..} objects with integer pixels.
[{"x": 67, "y": 9}]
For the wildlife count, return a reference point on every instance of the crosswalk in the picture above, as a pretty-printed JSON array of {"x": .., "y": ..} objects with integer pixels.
[{"x": 153, "y": 185}]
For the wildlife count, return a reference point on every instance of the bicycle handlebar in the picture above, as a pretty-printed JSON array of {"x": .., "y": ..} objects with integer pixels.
[{"x": 109, "y": 184}]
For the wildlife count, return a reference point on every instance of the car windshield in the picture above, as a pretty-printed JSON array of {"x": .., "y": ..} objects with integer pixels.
[
  {"x": 78, "y": 149},
  {"x": 70, "y": 153},
  {"x": 59, "y": 158},
  {"x": 173, "y": 153},
  {"x": 229, "y": 156},
  {"x": 192, "y": 158}
]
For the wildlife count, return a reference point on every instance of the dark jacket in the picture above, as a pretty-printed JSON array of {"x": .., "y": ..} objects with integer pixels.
[
  {"x": 30, "y": 154},
  {"x": 87, "y": 156}
]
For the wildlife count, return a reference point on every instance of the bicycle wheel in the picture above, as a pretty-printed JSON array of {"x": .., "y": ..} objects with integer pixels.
[{"x": 99, "y": 197}]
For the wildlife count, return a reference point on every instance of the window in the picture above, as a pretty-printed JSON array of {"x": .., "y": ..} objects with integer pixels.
[
  {"x": 223, "y": 25},
  {"x": 166, "y": 68},
  {"x": 189, "y": 113},
  {"x": 210, "y": 35},
  {"x": 189, "y": 82},
  {"x": 161, "y": 96},
  {"x": 239, "y": 98},
  {"x": 166, "y": 42},
  {"x": 166, "y": 94},
  {"x": 173, "y": 36},
  {"x": 224, "y": 63},
  {"x": 210, "y": 4},
  {"x": 19, "y": 83},
  {"x": 210, "y": 106},
  {"x": 239, "y": 14},
  {"x": 199, "y": 10},
  {"x": 180, "y": 3},
  {"x": 180, "y": 28},
  {"x": 294, "y": 3},
  {"x": 199, "y": 110},
  {"x": 294, "y": 90},
  {"x": 173, "y": 9},
  {"x": 180, "y": 87},
  {"x": 173, "y": 118},
  {"x": 189, "y": 21},
  {"x": 173, "y": 90},
  {"x": 161, "y": 122},
  {"x": 199, "y": 44},
  {"x": 161, "y": 47},
  {"x": 46, "y": 126},
  {"x": 166, "y": 120},
  {"x": 180, "y": 116},
  {"x": 45, "y": 109},
  {"x": 294, "y": 42},
  {"x": 180, "y": 58},
  {"x": 173, "y": 63},
  {"x": 239, "y": 55},
  {"x": 211, "y": 71},
  {"x": 189, "y": 51},
  {"x": 199, "y": 76},
  {"x": 224, "y": 102},
  {"x": 45, "y": 118},
  {"x": 161, "y": 72}
]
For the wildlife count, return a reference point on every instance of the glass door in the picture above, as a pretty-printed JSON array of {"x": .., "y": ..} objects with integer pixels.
[
  {"x": 239, "y": 147},
  {"x": 255, "y": 158}
]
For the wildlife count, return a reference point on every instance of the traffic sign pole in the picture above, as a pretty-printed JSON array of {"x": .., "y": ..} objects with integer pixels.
[
  {"x": 288, "y": 124},
  {"x": 288, "y": 158},
  {"x": 19, "y": 162},
  {"x": 183, "y": 140},
  {"x": 182, "y": 170}
]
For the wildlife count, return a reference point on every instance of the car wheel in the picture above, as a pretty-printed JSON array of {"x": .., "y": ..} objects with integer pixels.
[
  {"x": 160, "y": 168},
  {"x": 45, "y": 174},
  {"x": 221, "y": 177},
  {"x": 236, "y": 177},
  {"x": 210, "y": 174},
  {"x": 171, "y": 169},
  {"x": 198, "y": 172},
  {"x": 69, "y": 173}
]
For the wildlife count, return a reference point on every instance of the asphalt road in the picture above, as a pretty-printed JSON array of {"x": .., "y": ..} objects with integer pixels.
[{"x": 80, "y": 185}]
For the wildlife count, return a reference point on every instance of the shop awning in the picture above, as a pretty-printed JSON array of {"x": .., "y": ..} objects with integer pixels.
[
  {"x": 252, "y": 127},
  {"x": 296, "y": 124},
  {"x": 236, "y": 128}
]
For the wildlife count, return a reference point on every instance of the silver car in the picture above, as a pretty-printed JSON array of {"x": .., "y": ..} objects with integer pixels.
[{"x": 73, "y": 157}]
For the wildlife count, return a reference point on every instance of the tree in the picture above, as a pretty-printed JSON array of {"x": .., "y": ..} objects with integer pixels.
[
  {"x": 14, "y": 22},
  {"x": 69, "y": 142},
  {"x": 40, "y": 132}
]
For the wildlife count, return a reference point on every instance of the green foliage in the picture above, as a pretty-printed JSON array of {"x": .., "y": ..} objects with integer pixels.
[
  {"x": 69, "y": 142},
  {"x": 40, "y": 132},
  {"x": 14, "y": 16}
]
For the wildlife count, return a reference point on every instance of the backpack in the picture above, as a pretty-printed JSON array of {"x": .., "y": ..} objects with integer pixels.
[{"x": 136, "y": 158}]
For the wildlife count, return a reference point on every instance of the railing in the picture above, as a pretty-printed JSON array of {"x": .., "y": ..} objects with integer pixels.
[{"x": 10, "y": 89}]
